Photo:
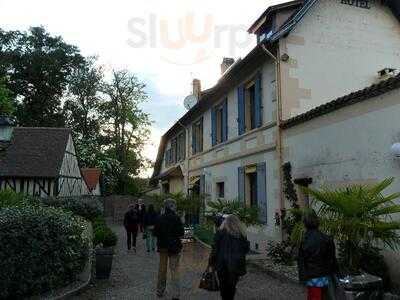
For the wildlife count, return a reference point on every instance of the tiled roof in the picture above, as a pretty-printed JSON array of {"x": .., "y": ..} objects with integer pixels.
[
  {"x": 34, "y": 152},
  {"x": 356, "y": 97}
]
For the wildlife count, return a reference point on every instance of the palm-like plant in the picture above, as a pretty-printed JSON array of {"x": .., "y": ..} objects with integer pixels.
[
  {"x": 247, "y": 214},
  {"x": 358, "y": 215}
]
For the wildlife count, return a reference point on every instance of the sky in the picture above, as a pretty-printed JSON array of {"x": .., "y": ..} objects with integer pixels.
[{"x": 165, "y": 43}]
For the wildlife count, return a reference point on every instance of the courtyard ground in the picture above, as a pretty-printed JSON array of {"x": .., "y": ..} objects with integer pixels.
[{"x": 134, "y": 276}]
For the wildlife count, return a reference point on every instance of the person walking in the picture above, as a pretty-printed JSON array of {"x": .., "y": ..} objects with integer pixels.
[
  {"x": 317, "y": 261},
  {"x": 131, "y": 220},
  {"x": 169, "y": 230},
  {"x": 228, "y": 255},
  {"x": 142, "y": 211},
  {"x": 150, "y": 219}
]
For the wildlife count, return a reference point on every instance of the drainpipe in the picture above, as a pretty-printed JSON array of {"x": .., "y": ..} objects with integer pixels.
[
  {"x": 279, "y": 146},
  {"x": 186, "y": 154}
]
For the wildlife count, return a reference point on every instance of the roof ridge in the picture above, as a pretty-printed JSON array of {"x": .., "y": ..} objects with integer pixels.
[{"x": 47, "y": 128}]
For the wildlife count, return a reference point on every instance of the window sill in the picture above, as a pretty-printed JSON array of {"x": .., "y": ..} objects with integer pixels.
[{"x": 236, "y": 138}]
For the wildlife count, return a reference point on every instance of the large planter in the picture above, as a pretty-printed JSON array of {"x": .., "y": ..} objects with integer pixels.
[
  {"x": 104, "y": 258},
  {"x": 360, "y": 287}
]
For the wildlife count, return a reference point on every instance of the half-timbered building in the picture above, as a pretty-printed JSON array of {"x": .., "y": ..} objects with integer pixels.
[{"x": 39, "y": 161}]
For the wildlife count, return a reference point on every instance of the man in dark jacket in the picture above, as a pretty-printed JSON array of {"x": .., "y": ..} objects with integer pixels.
[
  {"x": 169, "y": 230},
  {"x": 131, "y": 220},
  {"x": 317, "y": 258}
]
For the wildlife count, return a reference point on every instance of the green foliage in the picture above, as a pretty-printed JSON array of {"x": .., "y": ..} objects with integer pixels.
[
  {"x": 281, "y": 252},
  {"x": 6, "y": 105},
  {"x": 127, "y": 129},
  {"x": 50, "y": 61},
  {"x": 372, "y": 262},
  {"x": 41, "y": 249},
  {"x": 358, "y": 215},
  {"x": 289, "y": 218},
  {"x": 87, "y": 207},
  {"x": 8, "y": 198},
  {"x": 103, "y": 235},
  {"x": 248, "y": 215},
  {"x": 185, "y": 204},
  {"x": 204, "y": 233}
]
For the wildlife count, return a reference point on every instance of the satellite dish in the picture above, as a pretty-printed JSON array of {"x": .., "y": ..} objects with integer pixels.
[{"x": 190, "y": 101}]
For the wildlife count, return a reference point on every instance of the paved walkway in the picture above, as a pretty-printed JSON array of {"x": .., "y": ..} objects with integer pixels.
[{"x": 134, "y": 277}]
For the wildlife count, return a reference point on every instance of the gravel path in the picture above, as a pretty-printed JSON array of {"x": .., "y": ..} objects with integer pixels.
[{"x": 134, "y": 277}]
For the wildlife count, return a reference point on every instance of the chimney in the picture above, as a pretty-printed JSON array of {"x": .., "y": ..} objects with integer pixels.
[
  {"x": 226, "y": 63},
  {"x": 197, "y": 88},
  {"x": 6, "y": 128}
]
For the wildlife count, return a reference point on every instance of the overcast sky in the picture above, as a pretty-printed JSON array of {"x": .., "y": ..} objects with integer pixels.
[{"x": 165, "y": 43}]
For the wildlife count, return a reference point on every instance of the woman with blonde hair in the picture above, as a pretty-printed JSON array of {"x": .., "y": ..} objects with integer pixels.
[{"x": 228, "y": 255}]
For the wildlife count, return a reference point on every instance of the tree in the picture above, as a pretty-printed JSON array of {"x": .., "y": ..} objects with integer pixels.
[
  {"x": 6, "y": 105},
  {"x": 83, "y": 100},
  {"x": 126, "y": 125},
  {"x": 357, "y": 216},
  {"x": 81, "y": 110},
  {"x": 38, "y": 67}
]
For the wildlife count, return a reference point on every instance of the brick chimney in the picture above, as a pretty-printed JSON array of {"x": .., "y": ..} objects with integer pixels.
[
  {"x": 226, "y": 63},
  {"x": 197, "y": 88}
]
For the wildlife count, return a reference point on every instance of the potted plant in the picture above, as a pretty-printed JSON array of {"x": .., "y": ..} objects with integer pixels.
[{"x": 104, "y": 240}]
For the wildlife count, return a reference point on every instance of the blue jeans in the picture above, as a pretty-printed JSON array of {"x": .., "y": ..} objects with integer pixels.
[{"x": 150, "y": 238}]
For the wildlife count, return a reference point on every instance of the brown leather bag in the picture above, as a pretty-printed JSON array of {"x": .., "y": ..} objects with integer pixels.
[{"x": 209, "y": 281}]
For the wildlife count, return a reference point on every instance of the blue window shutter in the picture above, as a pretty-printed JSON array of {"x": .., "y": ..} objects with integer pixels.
[
  {"x": 258, "y": 100},
  {"x": 193, "y": 141},
  {"x": 241, "y": 110},
  {"x": 225, "y": 121},
  {"x": 202, "y": 184},
  {"x": 241, "y": 184},
  {"x": 213, "y": 126},
  {"x": 262, "y": 191}
]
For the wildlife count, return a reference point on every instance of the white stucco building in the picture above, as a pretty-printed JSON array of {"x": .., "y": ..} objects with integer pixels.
[{"x": 233, "y": 142}]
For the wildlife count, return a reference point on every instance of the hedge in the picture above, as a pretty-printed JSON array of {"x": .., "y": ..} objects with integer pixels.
[
  {"x": 87, "y": 207},
  {"x": 8, "y": 198},
  {"x": 41, "y": 249}
]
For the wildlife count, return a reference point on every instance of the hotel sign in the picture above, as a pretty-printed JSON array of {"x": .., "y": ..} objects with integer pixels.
[{"x": 357, "y": 3}]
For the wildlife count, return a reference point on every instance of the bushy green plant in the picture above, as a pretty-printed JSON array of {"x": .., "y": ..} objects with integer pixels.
[
  {"x": 102, "y": 234},
  {"x": 9, "y": 198},
  {"x": 41, "y": 249},
  {"x": 87, "y": 207},
  {"x": 247, "y": 214},
  {"x": 358, "y": 215},
  {"x": 281, "y": 252},
  {"x": 204, "y": 233}
]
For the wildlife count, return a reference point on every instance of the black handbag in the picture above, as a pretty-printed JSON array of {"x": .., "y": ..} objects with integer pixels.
[{"x": 209, "y": 281}]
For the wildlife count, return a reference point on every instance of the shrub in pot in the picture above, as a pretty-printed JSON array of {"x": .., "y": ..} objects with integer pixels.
[
  {"x": 104, "y": 240},
  {"x": 41, "y": 249}
]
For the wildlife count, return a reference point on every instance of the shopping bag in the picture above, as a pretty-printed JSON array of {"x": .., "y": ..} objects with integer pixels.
[{"x": 209, "y": 281}]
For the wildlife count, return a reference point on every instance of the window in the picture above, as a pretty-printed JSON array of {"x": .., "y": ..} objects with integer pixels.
[
  {"x": 181, "y": 147},
  {"x": 249, "y": 94},
  {"x": 220, "y": 189},
  {"x": 168, "y": 157},
  {"x": 250, "y": 105},
  {"x": 165, "y": 187},
  {"x": 219, "y": 123},
  {"x": 197, "y": 136},
  {"x": 252, "y": 187}
]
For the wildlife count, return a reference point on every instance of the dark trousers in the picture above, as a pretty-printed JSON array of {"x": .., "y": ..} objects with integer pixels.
[
  {"x": 227, "y": 284},
  {"x": 131, "y": 234}
]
